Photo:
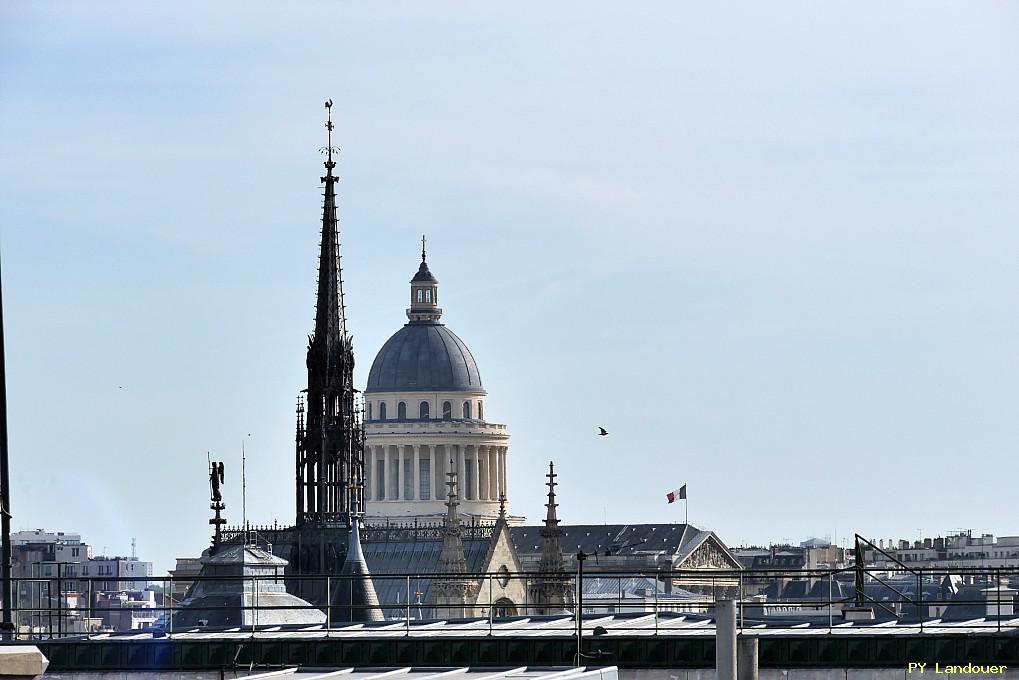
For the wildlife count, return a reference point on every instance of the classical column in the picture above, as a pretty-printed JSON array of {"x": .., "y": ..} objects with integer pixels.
[
  {"x": 393, "y": 466},
  {"x": 437, "y": 470},
  {"x": 502, "y": 471},
  {"x": 400, "y": 495},
  {"x": 493, "y": 473},
  {"x": 415, "y": 492},
  {"x": 476, "y": 482},
  {"x": 461, "y": 469},
  {"x": 482, "y": 474}
]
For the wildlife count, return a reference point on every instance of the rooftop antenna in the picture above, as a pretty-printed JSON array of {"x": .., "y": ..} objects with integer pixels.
[
  {"x": 134, "y": 548},
  {"x": 244, "y": 490}
]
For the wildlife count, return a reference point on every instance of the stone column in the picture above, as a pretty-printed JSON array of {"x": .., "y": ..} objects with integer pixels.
[
  {"x": 493, "y": 473},
  {"x": 476, "y": 482},
  {"x": 502, "y": 471},
  {"x": 393, "y": 467},
  {"x": 400, "y": 481},
  {"x": 461, "y": 469},
  {"x": 437, "y": 470},
  {"x": 482, "y": 473},
  {"x": 415, "y": 492}
]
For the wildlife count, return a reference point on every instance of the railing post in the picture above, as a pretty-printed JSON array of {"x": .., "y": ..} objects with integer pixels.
[
  {"x": 254, "y": 599},
  {"x": 657, "y": 573},
  {"x": 919, "y": 596},
  {"x": 169, "y": 624},
  {"x": 998, "y": 576},
  {"x": 16, "y": 614},
  {"x": 491, "y": 605},
  {"x": 829, "y": 600},
  {"x": 168, "y": 600},
  {"x": 329, "y": 604},
  {"x": 739, "y": 603},
  {"x": 408, "y": 605}
]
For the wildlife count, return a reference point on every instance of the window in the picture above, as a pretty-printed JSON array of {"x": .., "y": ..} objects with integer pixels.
[
  {"x": 380, "y": 480},
  {"x": 382, "y": 410},
  {"x": 424, "y": 479},
  {"x": 481, "y": 410},
  {"x": 468, "y": 480},
  {"x": 447, "y": 410},
  {"x": 423, "y": 410},
  {"x": 428, "y": 296},
  {"x": 401, "y": 411},
  {"x": 369, "y": 410},
  {"x": 420, "y": 295},
  {"x": 467, "y": 410}
]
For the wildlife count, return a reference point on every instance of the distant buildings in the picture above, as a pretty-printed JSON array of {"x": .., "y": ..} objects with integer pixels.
[
  {"x": 958, "y": 550},
  {"x": 52, "y": 597}
]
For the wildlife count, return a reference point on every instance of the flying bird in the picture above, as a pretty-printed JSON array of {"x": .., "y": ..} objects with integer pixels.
[{"x": 602, "y": 432}]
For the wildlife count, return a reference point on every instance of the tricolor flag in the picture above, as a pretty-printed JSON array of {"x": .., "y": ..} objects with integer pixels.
[{"x": 677, "y": 495}]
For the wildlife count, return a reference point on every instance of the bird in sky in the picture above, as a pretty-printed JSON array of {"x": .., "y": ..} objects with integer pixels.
[{"x": 602, "y": 432}]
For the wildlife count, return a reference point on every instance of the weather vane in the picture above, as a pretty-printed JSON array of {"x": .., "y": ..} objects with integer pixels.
[{"x": 329, "y": 148}]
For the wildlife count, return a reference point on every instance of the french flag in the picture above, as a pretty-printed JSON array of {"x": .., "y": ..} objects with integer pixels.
[{"x": 677, "y": 495}]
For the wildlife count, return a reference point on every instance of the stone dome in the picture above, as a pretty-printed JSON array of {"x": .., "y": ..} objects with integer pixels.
[{"x": 424, "y": 357}]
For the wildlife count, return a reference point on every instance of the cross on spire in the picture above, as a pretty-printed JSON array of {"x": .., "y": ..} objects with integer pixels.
[{"x": 422, "y": 247}]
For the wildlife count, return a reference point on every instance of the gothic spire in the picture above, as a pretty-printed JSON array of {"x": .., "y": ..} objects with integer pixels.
[
  {"x": 357, "y": 598},
  {"x": 551, "y": 588},
  {"x": 330, "y": 313},
  {"x": 330, "y": 446},
  {"x": 452, "y": 559},
  {"x": 551, "y": 554}
]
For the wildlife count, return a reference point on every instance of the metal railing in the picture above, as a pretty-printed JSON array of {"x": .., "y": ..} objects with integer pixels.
[{"x": 648, "y": 601}]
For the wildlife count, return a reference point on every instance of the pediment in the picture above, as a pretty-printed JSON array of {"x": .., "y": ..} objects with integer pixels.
[{"x": 710, "y": 554}]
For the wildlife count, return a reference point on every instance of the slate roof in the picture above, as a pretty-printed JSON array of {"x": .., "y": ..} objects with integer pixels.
[
  {"x": 424, "y": 356},
  {"x": 615, "y": 539},
  {"x": 420, "y": 556}
]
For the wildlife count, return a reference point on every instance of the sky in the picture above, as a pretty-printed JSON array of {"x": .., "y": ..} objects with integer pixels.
[{"x": 770, "y": 247}]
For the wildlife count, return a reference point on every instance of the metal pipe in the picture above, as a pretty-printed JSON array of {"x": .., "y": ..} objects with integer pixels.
[{"x": 6, "y": 594}]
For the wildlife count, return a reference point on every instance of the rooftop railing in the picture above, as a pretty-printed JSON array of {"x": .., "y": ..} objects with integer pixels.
[{"x": 653, "y": 602}]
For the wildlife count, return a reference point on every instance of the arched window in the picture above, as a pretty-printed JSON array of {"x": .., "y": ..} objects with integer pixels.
[
  {"x": 481, "y": 410},
  {"x": 382, "y": 410},
  {"x": 423, "y": 411},
  {"x": 447, "y": 410},
  {"x": 420, "y": 294},
  {"x": 369, "y": 410},
  {"x": 401, "y": 411},
  {"x": 428, "y": 296},
  {"x": 467, "y": 410}
]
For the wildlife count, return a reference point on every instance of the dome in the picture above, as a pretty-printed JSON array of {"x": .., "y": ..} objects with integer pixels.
[{"x": 424, "y": 357}]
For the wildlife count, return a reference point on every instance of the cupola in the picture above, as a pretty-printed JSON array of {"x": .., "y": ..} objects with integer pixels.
[{"x": 424, "y": 294}]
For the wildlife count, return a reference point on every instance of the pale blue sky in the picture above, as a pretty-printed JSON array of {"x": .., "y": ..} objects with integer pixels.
[{"x": 772, "y": 247}]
